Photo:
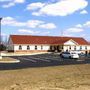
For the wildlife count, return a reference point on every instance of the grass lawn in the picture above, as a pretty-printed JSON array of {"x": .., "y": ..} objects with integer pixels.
[{"x": 67, "y": 77}]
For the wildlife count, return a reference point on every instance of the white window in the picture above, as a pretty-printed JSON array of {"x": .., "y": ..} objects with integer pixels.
[
  {"x": 28, "y": 47},
  {"x": 70, "y": 47},
  {"x": 85, "y": 47},
  {"x": 80, "y": 47},
  {"x": 35, "y": 47},
  {"x": 41, "y": 47},
  {"x": 74, "y": 47}
]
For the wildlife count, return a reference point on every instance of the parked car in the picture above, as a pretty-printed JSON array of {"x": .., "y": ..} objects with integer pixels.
[
  {"x": 77, "y": 51},
  {"x": 80, "y": 53},
  {"x": 69, "y": 55}
]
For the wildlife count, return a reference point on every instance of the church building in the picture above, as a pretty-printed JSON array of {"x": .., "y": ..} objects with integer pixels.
[{"x": 29, "y": 43}]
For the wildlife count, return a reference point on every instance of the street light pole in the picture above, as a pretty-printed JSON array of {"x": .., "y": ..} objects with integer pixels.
[{"x": 0, "y": 37}]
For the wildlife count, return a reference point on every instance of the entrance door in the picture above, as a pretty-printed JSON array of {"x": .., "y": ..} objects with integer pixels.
[{"x": 56, "y": 48}]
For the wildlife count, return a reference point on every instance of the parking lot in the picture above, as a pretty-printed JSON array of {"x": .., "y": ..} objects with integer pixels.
[{"x": 42, "y": 60}]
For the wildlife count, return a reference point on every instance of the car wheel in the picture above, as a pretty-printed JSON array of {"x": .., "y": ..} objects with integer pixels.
[
  {"x": 61, "y": 56},
  {"x": 77, "y": 59}
]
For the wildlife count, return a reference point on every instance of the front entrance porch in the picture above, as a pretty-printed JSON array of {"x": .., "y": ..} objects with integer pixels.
[{"x": 56, "y": 48}]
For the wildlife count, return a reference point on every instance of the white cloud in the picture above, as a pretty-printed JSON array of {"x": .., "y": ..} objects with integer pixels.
[
  {"x": 84, "y": 25},
  {"x": 28, "y": 31},
  {"x": 35, "y": 13},
  {"x": 83, "y": 12},
  {"x": 40, "y": 24},
  {"x": 48, "y": 26},
  {"x": 79, "y": 26},
  {"x": 87, "y": 24},
  {"x": 3, "y": 34},
  {"x": 12, "y": 22},
  {"x": 19, "y": 1},
  {"x": 45, "y": 33},
  {"x": 35, "y": 6},
  {"x": 67, "y": 34},
  {"x": 74, "y": 30},
  {"x": 34, "y": 23},
  {"x": 83, "y": 35},
  {"x": 9, "y": 21},
  {"x": 5, "y": 0},
  {"x": 62, "y": 8},
  {"x": 12, "y": 3},
  {"x": 8, "y": 5},
  {"x": 33, "y": 32},
  {"x": 79, "y": 29}
]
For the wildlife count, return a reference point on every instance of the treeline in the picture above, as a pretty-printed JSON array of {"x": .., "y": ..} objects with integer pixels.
[{"x": 2, "y": 47}]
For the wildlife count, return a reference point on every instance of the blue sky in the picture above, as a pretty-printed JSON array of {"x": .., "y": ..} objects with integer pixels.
[{"x": 46, "y": 17}]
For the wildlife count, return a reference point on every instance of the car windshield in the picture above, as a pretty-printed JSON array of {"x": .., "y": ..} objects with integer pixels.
[
  {"x": 66, "y": 53},
  {"x": 73, "y": 53}
]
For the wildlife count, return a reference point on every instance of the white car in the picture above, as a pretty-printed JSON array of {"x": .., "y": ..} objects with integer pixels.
[
  {"x": 77, "y": 51},
  {"x": 69, "y": 55},
  {"x": 80, "y": 53}
]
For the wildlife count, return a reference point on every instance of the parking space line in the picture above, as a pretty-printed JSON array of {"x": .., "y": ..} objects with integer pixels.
[
  {"x": 46, "y": 58},
  {"x": 27, "y": 59},
  {"x": 39, "y": 59},
  {"x": 80, "y": 60},
  {"x": 53, "y": 59}
]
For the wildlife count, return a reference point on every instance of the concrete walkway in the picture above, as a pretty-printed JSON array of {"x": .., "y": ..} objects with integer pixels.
[{"x": 20, "y": 54}]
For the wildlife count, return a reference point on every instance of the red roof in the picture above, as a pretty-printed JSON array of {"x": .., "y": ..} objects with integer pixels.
[
  {"x": 28, "y": 39},
  {"x": 89, "y": 43}
]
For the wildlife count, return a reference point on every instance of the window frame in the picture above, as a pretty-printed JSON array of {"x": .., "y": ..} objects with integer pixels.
[
  {"x": 28, "y": 47},
  {"x": 41, "y": 47},
  {"x": 85, "y": 47},
  {"x": 69, "y": 47},
  {"x": 35, "y": 47},
  {"x": 20, "y": 47},
  {"x": 74, "y": 47},
  {"x": 80, "y": 47}
]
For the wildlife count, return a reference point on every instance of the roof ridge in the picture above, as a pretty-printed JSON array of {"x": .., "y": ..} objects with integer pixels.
[
  {"x": 46, "y": 36},
  {"x": 31, "y": 39}
]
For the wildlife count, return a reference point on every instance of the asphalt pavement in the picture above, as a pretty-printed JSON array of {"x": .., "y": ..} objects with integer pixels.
[{"x": 42, "y": 60}]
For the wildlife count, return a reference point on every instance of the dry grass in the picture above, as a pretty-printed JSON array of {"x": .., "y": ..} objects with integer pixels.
[
  {"x": 8, "y": 60},
  {"x": 68, "y": 77}
]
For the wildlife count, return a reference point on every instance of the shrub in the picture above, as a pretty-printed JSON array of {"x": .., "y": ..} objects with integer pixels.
[{"x": 2, "y": 47}]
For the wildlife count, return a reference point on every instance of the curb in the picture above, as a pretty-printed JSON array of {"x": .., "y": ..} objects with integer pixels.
[
  {"x": 17, "y": 61},
  {"x": 21, "y": 54}
]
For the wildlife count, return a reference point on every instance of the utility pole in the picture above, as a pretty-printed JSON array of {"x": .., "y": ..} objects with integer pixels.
[
  {"x": 62, "y": 40},
  {"x": 0, "y": 38}
]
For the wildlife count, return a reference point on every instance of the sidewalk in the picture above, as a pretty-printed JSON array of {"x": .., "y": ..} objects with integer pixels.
[{"x": 20, "y": 54}]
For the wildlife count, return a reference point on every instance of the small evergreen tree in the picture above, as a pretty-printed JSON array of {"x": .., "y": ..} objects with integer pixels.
[{"x": 2, "y": 47}]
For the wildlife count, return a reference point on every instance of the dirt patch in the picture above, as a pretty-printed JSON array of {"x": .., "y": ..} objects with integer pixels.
[
  {"x": 67, "y": 77},
  {"x": 8, "y": 60}
]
